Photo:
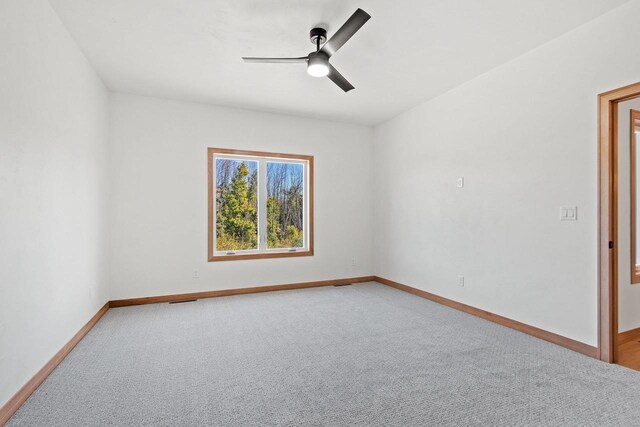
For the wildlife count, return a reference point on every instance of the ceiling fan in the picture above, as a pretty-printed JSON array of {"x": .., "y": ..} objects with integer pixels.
[{"x": 318, "y": 61}]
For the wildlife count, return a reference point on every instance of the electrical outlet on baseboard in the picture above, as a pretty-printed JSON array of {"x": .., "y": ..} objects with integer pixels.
[
  {"x": 196, "y": 274},
  {"x": 461, "y": 281}
]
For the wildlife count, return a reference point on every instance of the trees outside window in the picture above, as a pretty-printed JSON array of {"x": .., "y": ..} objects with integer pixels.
[
  {"x": 285, "y": 205},
  {"x": 236, "y": 205},
  {"x": 260, "y": 205}
]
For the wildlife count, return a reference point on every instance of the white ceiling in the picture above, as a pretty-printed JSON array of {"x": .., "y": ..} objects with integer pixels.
[{"x": 408, "y": 52}]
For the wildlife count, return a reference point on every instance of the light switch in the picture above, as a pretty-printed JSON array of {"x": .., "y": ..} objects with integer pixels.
[
  {"x": 569, "y": 213},
  {"x": 461, "y": 182}
]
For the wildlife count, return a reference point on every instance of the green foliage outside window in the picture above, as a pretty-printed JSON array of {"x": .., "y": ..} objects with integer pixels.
[
  {"x": 237, "y": 205},
  {"x": 236, "y": 213},
  {"x": 285, "y": 205}
]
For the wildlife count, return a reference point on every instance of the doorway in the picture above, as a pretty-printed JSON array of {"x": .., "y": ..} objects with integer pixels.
[{"x": 615, "y": 265}]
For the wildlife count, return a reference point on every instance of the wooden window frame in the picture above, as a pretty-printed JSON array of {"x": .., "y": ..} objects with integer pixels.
[
  {"x": 211, "y": 229},
  {"x": 635, "y": 268}
]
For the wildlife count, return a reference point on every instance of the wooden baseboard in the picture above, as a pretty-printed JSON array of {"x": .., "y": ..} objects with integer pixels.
[
  {"x": 240, "y": 291},
  {"x": 23, "y": 394},
  {"x": 628, "y": 336},
  {"x": 509, "y": 323}
]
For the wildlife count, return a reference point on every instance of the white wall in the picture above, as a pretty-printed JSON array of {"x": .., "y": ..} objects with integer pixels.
[
  {"x": 159, "y": 196},
  {"x": 53, "y": 136},
  {"x": 524, "y": 137},
  {"x": 628, "y": 294}
]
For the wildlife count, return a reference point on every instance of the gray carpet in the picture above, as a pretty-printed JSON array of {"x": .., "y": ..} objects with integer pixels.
[{"x": 360, "y": 355}]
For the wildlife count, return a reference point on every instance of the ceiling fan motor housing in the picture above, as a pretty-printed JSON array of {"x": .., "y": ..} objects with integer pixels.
[
  {"x": 318, "y": 64},
  {"x": 318, "y": 36}
]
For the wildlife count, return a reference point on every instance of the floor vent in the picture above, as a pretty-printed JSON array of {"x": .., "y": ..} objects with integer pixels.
[
  {"x": 343, "y": 284},
  {"x": 181, "y": 301}
]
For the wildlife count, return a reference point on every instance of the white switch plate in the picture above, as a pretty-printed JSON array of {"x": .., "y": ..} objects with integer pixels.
[
  {"x": 461, "y": 182},
  {"x": 569, "y": 213}
]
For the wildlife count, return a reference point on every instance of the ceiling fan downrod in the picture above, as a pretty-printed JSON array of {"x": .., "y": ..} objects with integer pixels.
[{"x": 318, "y": 36}]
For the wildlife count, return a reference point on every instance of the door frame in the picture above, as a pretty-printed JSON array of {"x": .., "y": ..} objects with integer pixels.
[{"x": 608, "y": 217}]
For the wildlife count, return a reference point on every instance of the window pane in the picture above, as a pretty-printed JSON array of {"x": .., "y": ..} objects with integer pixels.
[
  {"x": 236, "y": 204},
  {"x": 285, "y": 205}
]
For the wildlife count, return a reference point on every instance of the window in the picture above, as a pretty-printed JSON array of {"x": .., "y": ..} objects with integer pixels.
[{"x": 260, "y": 205}]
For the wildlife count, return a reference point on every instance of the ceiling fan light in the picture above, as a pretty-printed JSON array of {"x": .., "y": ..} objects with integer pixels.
[
  {"x": 318, "y": 70},
  {"x": 318, "y": 66}
]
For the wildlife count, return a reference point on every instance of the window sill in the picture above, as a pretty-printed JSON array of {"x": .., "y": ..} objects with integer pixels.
[{"x": 238, "y": 257}]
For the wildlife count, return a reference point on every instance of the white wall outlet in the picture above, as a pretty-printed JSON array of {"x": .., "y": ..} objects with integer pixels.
[
  {"x": 353, "y": 262},
  {"x": 569, "y": 213},
  {"x": 196, "y": 274},
  {"x": 461, "y": 281},
  {"x": 461, "y": 182}
]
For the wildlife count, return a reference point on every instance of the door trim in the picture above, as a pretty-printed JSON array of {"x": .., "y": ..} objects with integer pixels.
[
  {"x": 633, "y": 265},
  {"x": 608, "y": 217}
]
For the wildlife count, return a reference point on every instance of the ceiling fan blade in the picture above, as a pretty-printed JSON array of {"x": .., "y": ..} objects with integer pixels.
[
  {"x": 253, "y": 60},
  {"x": 338, "y": 79},
  {"x": 345, "y": 32}
]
